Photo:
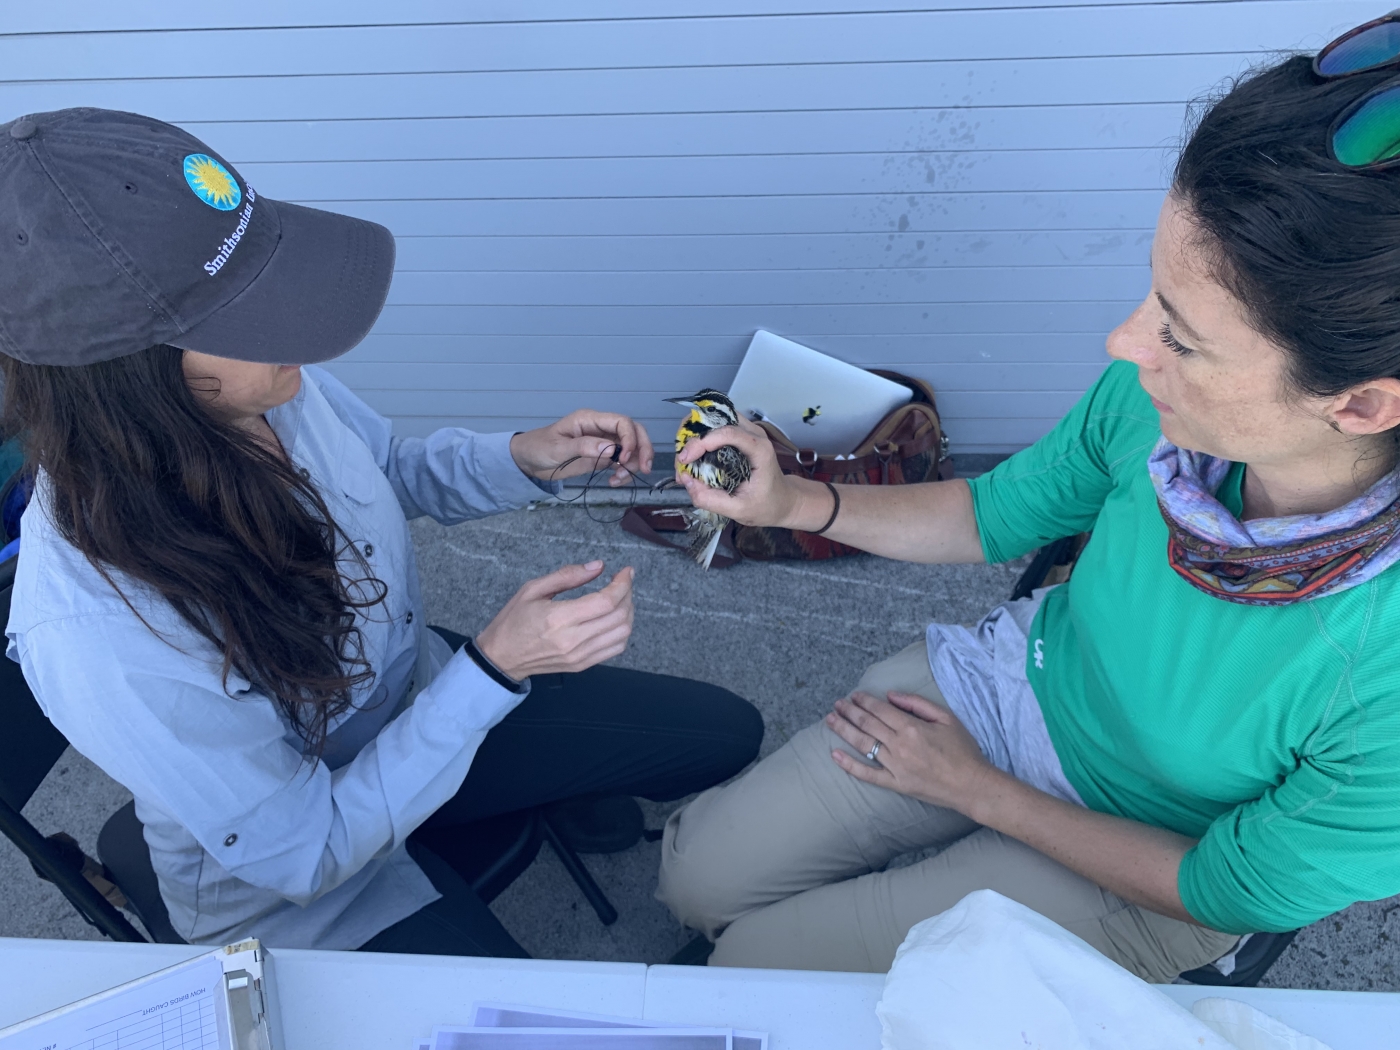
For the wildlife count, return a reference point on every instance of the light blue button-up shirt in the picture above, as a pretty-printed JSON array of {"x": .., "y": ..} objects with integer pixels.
[{"x": 247, "y": 837}]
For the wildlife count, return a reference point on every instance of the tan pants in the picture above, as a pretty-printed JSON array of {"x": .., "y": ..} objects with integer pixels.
[{"x": 784, "y": 867}]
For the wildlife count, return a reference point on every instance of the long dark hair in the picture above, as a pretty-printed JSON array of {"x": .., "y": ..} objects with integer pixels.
[
  {"x": 147, "y": 482},
  {"x": 1308, "y": 245}
]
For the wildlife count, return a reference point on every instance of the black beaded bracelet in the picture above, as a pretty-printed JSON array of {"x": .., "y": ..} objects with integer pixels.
[
  {"x": 835, "y": 508},
  {"x": 493, "y": 672}
]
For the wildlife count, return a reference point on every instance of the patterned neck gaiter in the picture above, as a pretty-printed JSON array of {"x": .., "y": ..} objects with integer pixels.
[{"x": 1269, "y": 561}]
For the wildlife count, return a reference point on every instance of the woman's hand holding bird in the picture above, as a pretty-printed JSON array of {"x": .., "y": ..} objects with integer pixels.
[
  {"x": 768, "y": 496},
  {"x": 582, "y": 442}
]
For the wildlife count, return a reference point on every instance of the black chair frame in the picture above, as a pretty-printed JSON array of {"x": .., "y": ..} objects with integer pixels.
[
  {"x": 29, "y": 748},
  {"x": 91, "y": 905}
]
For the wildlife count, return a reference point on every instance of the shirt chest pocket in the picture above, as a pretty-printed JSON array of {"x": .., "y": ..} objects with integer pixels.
[
  {"x": 358, "y": 475},
  {"x": 373, "y": 522}
]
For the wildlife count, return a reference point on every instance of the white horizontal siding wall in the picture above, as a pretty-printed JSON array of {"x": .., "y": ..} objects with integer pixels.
[{"x": 598, "y": 201}]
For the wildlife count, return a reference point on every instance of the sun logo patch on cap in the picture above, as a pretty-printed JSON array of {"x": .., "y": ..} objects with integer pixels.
[{"x": 212, "y": 183}]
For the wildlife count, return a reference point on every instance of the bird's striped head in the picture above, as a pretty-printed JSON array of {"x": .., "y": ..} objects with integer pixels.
[{"x": 709, "y": 408}]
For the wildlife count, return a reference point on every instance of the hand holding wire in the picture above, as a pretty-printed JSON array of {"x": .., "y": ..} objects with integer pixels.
[{"x": 564, "y": 448}]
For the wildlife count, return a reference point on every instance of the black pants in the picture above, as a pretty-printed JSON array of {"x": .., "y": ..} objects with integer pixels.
[{"x": 605, "y": 731}]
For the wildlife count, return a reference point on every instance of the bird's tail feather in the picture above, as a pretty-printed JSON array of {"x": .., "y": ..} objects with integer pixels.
[{"x": 706, "y": 528}]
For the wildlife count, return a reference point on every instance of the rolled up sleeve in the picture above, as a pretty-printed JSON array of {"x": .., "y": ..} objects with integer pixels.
[{"x": 1321, "y": 841}]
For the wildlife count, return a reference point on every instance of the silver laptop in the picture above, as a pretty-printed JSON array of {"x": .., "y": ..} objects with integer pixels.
[{"x": 818, "y": 402}]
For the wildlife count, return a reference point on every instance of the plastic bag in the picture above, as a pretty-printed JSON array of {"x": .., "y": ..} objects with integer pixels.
[{"x": 991, "y": 974}]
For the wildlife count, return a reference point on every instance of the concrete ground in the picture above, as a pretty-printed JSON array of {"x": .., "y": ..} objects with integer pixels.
[{"x": 790, "y": 637}]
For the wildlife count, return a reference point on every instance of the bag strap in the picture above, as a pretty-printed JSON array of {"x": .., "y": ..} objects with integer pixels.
[
  {"x": 794, "y": 460},
  {"x": 665, "y": 526},
  {"x": 884, "y": 451},
  {"x": 923, "y": 391}
]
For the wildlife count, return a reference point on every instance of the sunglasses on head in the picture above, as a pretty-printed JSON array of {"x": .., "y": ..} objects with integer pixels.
[{"x": 1367, "y": 133}]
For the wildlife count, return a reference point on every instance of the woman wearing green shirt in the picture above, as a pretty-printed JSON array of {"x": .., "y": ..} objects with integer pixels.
[{"x": 1196, "y": 738}]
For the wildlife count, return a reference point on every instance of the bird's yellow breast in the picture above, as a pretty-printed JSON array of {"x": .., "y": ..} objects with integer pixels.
[{"x": 691, "y": 426}]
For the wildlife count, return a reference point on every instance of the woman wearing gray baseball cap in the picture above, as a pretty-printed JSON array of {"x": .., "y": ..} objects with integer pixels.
[{"x": 217, "y": 600}]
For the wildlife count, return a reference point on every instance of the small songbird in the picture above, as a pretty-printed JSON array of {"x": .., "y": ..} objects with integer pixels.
[{"x": 722, "y": 468}]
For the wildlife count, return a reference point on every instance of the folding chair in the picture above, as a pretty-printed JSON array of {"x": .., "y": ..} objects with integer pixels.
[
  {"x": 29, "y": 747},
  {"x": 489, "y": 854}
]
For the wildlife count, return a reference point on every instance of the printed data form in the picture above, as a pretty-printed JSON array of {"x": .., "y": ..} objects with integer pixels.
[{"x": 175, "y": 1009}]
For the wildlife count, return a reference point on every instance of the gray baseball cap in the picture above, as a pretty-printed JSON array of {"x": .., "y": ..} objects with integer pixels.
[{"x": 119, "y": 232}]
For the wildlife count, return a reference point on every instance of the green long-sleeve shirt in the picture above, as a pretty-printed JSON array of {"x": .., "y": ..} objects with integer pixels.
[{"x": 1271, "y": 734}]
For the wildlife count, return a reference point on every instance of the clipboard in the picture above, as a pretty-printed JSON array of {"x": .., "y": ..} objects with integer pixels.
[{"x": 215, "y": 1001}]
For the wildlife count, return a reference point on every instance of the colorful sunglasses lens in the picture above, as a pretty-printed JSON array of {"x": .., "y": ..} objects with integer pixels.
[
  {"x": 1372, "y": 133},
  {"x": 1375, "y": 47}
]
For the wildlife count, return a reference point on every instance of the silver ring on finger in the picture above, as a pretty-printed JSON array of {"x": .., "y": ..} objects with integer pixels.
[{"x": 873, "y": 755}]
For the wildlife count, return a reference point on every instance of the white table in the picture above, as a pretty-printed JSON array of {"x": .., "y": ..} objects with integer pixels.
[
  {"x": 1342, "y": 1020},
  {"x": 800, "y": 1009},
  {"x": 350, "y": 1000}
]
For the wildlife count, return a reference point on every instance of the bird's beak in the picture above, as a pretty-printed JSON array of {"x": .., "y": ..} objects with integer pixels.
[{"x": 685, "y": 401}]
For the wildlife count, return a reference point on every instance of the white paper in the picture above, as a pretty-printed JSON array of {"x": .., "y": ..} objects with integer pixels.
[
  {"x": 449, "y": 1038},
  {"x": 508, "y": 1015},
  {"x": 176, "y": 1009}
]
